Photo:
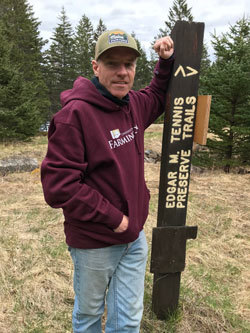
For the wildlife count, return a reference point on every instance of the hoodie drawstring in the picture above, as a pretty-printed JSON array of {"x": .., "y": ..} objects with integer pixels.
[{"x": 137, "y": 144}]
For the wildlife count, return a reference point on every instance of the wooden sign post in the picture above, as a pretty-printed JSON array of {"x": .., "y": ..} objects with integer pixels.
[{"x": 169, "y": 238}]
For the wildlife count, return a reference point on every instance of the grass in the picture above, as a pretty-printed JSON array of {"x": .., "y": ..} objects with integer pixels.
[{"x": 36, "y": 293}]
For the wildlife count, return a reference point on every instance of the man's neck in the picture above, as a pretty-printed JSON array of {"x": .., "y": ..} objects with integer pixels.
[{"x": 102, "y": 90}]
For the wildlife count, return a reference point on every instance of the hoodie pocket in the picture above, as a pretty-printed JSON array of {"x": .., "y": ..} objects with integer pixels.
[{"x": 132, "y": 230}]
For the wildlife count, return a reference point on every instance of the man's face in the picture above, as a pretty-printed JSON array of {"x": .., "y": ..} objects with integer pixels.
[{"x": 116, "y": 70}]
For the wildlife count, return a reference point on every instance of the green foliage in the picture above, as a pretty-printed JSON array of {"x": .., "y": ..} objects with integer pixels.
[
  {"x": 178, "y": 12},
  {"x": 61, "y": 61},
  {"x": 143, "y": 74},
  {"x": 23, "y": 93},
  {"x": 21, "y": 29},
  {"x": 84, "y": 47},
  {"x": 101, "y": 27},
  {"x": 228, "y": 81},
  {"x": 25, "y": 99},
  {"x": 205, "y": 66}
]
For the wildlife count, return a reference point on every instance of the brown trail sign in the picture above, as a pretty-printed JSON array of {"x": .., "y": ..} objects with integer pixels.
[{"x": 169, "y": 238}]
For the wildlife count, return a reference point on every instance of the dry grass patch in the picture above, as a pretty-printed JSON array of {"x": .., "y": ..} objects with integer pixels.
[
  {"x": 36, "y": 275},
  {"x": 36, "y": 293},
  {"x": 215, "y": 284},
  {"x": 35, "y": 148}
]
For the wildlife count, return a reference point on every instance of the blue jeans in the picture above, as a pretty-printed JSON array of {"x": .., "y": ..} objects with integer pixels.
[{"x": 115, "y": 274}]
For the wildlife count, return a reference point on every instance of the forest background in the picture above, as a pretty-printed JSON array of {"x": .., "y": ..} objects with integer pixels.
[
  {"x": 36, "y": 293},
  {"x": 32, "y": 76}
]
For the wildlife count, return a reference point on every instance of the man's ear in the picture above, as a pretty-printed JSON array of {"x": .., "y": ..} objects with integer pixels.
[{"x": 95, "y": 67}]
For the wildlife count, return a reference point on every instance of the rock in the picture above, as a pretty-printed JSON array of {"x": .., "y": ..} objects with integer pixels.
[
  {"x": 243, "y": 171},
  {"x": 18, "y": 164},
  {"x": 195, "y": 169},
  {"x": 151, "y": 156}
]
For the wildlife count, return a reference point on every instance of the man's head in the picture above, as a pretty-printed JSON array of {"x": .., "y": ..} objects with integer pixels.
[{"x": 115, "y": 61}]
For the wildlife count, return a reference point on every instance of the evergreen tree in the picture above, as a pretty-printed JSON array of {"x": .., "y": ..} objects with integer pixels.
[
  {"x": 204, "y": 69},
  {"x": 228, "y": 81},
  {"x": 143, "y": 74},
  {"x": 84, "y": 47},
  {"x": 19, "y": 112},
  {"x": 21, "y": 28},
  {"x": 101, "y": 27},
  {"x": 178, "y": 12},
  {"x": 27, "y": 105},
  {"x": 61, "y": 61}
]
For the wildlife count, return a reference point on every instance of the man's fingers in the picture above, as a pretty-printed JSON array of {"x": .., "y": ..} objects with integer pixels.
[
  {"x": 164, "y": 44},
  {"x": 157, "y": 46},
  {"x": 164, "y": 47}
]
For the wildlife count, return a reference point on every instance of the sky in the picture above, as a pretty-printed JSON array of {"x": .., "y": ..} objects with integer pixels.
[{"x": 143, "y": 17}]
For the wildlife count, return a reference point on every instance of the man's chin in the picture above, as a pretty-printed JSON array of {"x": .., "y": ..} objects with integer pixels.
[{"x": 119, "y": 94}]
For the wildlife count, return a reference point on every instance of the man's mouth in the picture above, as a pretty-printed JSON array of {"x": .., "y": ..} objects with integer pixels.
[{"x": 120, "y": 82}]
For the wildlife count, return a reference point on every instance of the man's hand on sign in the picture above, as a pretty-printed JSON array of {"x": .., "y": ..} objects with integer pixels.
[{"x": 164, "y": 47}]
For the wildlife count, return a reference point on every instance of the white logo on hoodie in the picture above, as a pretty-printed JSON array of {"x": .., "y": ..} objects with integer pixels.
[
  {"x": 115, "y": 133},
  {"x": 120, "y": 139}
]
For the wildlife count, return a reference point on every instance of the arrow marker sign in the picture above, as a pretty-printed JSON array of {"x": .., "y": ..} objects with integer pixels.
[{"x": 181, "y": 69}]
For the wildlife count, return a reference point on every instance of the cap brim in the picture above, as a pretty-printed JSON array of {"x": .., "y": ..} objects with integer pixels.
[{"x": 137, "y": 53}]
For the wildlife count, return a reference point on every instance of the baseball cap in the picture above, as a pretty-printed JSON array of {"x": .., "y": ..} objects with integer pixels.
[{"x": 114, "y": 38}]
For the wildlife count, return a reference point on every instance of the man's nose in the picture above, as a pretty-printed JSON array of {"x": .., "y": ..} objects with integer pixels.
[{"x": 122, "y": 69}]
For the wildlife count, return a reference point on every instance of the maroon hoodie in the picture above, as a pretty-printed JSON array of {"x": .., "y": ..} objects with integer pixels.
[{"x": 94, "y": 167}]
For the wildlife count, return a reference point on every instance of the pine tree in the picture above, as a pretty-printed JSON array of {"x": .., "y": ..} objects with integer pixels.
[
  {"x": 228, "y": 81},
  {"x": 204, "y": 69},
  {"x": 18, "y": 109},
  {"x": 101, "y": 27},
  {"x": 27, "y": 105},
  {"x": 84, "y": 47},
  {"x": 21, "y": 28},
  {"x": 181, "y": 12},
  {"x": 178, "y": 12},
  {"x": 61, "y": 61},
  {"x": 143, "y": 74}
]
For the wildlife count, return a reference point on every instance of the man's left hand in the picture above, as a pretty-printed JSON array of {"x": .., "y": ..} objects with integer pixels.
[{"x": 164, "y": 47}]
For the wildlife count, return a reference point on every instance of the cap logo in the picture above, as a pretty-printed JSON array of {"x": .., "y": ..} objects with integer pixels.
[{"x": 118, "y": 37}]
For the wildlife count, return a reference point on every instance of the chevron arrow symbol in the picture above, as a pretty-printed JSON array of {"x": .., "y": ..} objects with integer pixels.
[{"x": 181, "y": 70}]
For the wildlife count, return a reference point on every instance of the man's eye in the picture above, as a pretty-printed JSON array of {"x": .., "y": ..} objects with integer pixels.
[
  {"x": 114, "y": 64},
  {"x": 129, "y": 65},
  {"x": 110, "y": 63}
]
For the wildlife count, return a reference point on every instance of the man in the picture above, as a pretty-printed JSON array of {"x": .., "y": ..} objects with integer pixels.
[{"x": 94, "y": 171}]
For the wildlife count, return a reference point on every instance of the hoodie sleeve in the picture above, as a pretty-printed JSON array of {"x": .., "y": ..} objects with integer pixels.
[
  {"x": 62, "y": 175},
  {"x": 151, "y": 100}
]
